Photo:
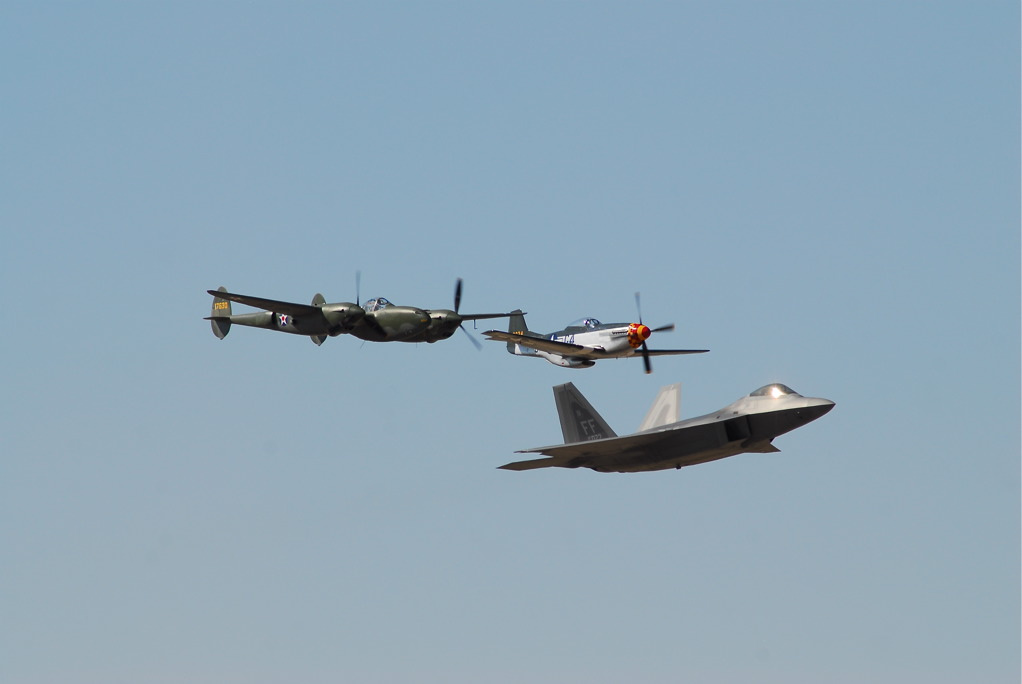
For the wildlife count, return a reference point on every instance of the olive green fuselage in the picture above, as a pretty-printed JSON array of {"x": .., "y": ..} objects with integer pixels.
[
  {"x": 325, "y": 323},
  {"x": 393, "y": 324},
  {"x": 407, "y": 324},
  {"x": 378, "y": 320}
]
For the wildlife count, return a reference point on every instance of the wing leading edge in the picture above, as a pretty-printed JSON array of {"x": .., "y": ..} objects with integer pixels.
[{"x": 671, "y": 352}]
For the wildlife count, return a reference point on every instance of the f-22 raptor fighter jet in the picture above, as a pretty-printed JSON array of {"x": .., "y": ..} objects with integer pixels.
[{"x": 748, "y": 425}]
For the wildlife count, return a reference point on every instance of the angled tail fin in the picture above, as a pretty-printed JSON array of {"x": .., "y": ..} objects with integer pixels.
[
  {"x": 579, "y": 420},
  {"x": 220, "y": 315},
  {"x": 666, "y": 408}
]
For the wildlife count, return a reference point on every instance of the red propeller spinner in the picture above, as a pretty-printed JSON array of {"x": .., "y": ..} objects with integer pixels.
[{"x": 637, "y": 334}]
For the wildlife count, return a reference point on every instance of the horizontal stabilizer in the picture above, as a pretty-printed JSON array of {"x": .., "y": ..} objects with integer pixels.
[
  {"x": 533, "y": 464},
  {"x": 273, "y": 305},
  {"x": 516, "y": 326},
  {"x": 762, "y": 448},
  {"x": 480, "y": 317},
  {"x": 221, "y": 326},
  {"x": 534, "y": 342}
]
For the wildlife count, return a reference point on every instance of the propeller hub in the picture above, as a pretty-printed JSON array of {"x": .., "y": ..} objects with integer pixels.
[{"x": 637, "y": 334}]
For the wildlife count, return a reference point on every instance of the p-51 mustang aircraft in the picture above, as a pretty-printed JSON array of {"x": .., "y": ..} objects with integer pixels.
[
  {"x": 748, "y": 425},
  {"x": 584, "y": 342},
  {"x": 376, "y": 321}
]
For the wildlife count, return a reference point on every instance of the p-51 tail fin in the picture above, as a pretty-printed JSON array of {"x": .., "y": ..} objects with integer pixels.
[
  {"x": 580, "y": 422},
  {"x": 220, "y": 315},
  {"x": 516, "y": 325}
]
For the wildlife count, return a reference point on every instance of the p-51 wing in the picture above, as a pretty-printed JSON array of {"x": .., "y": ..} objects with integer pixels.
[
  {"x": 571, "y": 349},
  {"x": 669, "y": 352}
]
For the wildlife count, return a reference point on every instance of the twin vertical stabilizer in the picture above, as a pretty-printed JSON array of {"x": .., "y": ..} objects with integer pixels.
[
  {"x": 220, "y": 315},
  {"x": 666, "y": 408},
  {"x": 579, "y": 420}
]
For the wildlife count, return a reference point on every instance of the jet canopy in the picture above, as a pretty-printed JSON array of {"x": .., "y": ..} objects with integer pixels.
[
  {"x": 376, "y": 304},
  {"x": 775, "y": 390}
]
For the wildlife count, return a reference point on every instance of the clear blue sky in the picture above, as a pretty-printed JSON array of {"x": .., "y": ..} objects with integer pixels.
[{"x": 823, "y": 194}]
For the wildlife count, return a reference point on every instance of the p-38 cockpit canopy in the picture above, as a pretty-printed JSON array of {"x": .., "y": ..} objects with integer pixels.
[{"x": 376, "y": 304}]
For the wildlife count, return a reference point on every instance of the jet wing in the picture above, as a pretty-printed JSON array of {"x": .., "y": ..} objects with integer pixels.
[
  {"x": 540, "y": 343},
  {"x": 589, "y": 453},
  {"x": 602, "y": 447},
  {"x": 270, "y": 304},
  {"x": 630, "y": 449}
]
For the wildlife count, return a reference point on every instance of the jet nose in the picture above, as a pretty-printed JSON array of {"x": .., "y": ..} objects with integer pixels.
[{"x": 818, "y": 408}]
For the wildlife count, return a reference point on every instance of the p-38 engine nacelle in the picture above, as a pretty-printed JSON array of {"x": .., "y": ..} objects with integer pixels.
[{"x": 342, "y": 317}]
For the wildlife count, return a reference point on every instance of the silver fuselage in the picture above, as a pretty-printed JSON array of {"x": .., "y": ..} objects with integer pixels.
[
  {"x": 746, "y": 426},
  {"x": 749, "y": 424}
]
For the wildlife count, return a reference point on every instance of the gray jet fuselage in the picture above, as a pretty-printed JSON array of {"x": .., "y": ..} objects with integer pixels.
[{"x": 748, "y": 425}]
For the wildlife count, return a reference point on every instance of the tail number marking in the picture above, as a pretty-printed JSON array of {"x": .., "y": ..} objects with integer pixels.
[{"x": 589, "y": 427}]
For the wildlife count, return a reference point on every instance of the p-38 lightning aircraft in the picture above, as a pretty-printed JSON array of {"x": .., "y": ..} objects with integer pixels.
[
  {"x": 584, "y": 342},
  {"x": 748, "y": 425},
  {"x": 375, "y": 321}
]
